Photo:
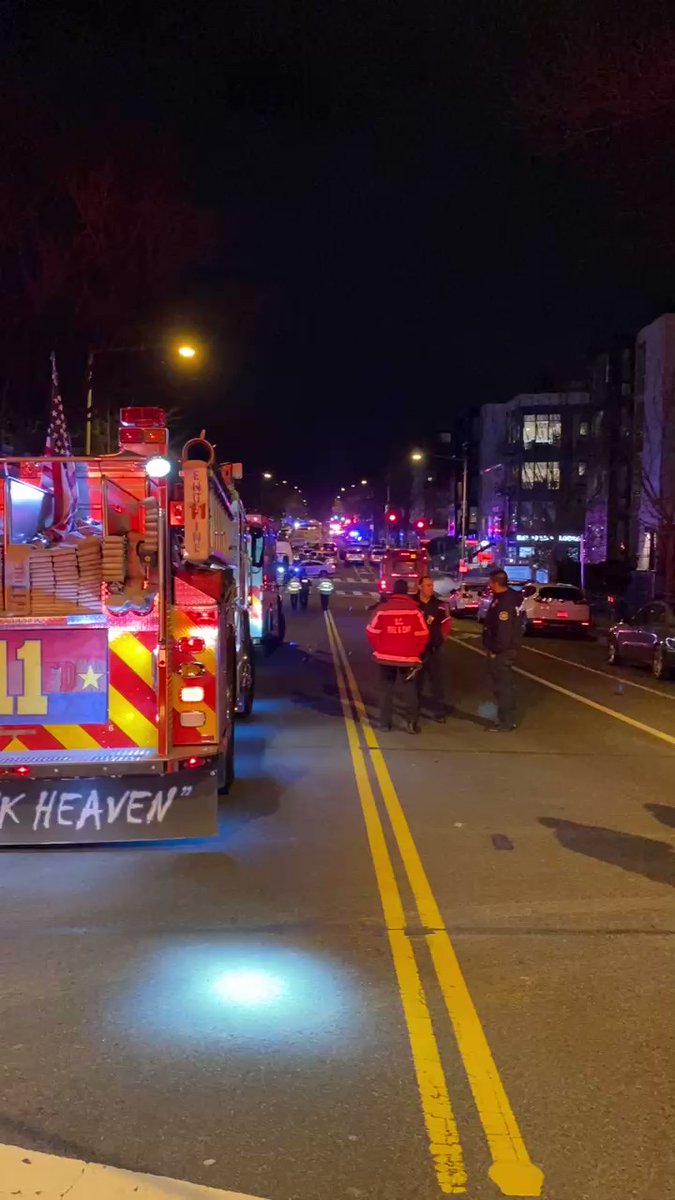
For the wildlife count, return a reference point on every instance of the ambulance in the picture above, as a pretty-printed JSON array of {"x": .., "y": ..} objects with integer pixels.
[
  {"x": 125, "y": 645},
  {"x": 396, "y": 563}
]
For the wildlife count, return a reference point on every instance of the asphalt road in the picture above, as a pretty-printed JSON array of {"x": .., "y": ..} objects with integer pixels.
[{"x": 407, "y": 967}]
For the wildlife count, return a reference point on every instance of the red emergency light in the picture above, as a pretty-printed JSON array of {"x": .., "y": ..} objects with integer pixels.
[
  {"x": 134, "y": 435},
  {"x": 143, "y": 418}
]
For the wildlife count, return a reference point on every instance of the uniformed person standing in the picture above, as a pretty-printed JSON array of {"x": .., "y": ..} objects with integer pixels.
[
  {"x": 502, "y": 634},
  {"x": 294, "y": 589},
  {"x": 438, "y": 623},
  {"x": 325, "y": 588}
]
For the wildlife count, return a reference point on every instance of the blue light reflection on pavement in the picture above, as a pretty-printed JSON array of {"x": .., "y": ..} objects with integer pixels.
[{"x": 253, "y": 994}]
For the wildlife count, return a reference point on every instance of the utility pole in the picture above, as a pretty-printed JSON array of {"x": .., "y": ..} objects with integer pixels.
[
  {"x": 89, "y": 410},
  {"x": 465, "y": 498}
]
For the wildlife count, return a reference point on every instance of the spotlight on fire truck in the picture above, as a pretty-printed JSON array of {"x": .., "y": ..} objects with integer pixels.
[{"x": 158, "y": 467}]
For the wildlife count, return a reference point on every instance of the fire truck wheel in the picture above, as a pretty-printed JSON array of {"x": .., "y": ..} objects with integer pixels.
[
  {"x": 226, "y": 766},
  {"x": 245, "y": 705}
]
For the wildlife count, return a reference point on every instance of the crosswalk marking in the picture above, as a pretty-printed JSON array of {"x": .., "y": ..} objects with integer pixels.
[{"x": 27, "y": 1174}]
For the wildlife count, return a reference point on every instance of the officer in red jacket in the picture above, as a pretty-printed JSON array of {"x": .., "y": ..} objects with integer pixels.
[{"x": 398, "y": 634}]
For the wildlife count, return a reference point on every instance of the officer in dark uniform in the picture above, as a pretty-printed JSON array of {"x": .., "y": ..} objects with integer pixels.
[
  {"x": 502, "y": 634},
  {"x": 435, "y": 614}
]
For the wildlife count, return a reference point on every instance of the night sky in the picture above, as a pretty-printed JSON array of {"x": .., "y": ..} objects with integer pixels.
[{"x": 395, "y": 249}]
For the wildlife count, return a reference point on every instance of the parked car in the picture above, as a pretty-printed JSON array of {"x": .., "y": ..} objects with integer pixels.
[
  {"x": 355, "y": 556},
  {"x": 647, "y": 639},
  {"x": 485, "y": 600},
  {"x": 554, "y": 606},
  {"x": 315, "y": 568},
  {"x": 464, "y": 598}
]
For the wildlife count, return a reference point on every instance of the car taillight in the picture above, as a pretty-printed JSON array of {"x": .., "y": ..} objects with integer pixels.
[
  {"x": 383, "y": 585},
  {"x": 537, "y": 621}
]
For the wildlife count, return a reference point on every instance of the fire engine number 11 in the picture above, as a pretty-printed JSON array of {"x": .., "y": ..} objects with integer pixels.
[{"x": 31, "y": 701}]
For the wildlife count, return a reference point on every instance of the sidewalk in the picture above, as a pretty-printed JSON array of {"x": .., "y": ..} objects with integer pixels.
[{"x": 27, "y": 1175}]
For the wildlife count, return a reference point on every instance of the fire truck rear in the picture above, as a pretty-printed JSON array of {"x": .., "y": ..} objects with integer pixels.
[{"x": 118, "y": 644}]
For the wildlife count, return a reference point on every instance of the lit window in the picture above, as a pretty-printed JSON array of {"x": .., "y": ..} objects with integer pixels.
[
  {"x": 541, "y": 428},
  {"x": 581, "y": 468},
  {"x": 583, "y": 429},
  {"x": 540, "y": 474}
]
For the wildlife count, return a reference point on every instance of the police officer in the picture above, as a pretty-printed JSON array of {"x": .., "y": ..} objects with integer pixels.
[
  {"x": 438, "y": 623},
  {"x": 326, "y": 586},
  {"x": 502, "y": 633},
  {"x": 294, "y": 589},
  {"x": 305, "y": 586}
]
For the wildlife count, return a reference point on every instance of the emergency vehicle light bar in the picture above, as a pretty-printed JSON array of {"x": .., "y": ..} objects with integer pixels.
[{"x": 143, "y": 418}]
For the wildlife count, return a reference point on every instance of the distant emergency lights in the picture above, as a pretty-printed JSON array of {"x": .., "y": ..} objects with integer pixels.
[{"x": 157, "y": 467}]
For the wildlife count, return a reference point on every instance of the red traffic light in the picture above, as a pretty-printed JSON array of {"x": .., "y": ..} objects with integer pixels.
[
  {"x": 421, "y": 524},
  {"x": 392, "y": 517}
]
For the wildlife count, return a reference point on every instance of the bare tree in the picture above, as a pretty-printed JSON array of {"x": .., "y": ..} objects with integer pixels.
[{"x": 95, "y": 232}]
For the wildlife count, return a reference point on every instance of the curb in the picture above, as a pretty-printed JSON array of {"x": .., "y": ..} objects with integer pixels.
[{"x": 28, "y": 1175}]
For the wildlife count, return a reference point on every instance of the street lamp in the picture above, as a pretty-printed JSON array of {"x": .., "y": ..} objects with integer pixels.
[
  {"x": 186, "y": 351},
  {"x": 364, "y": 483},
  {"x": 416, "y": 456},
  {"x": 267, "y": 475}
]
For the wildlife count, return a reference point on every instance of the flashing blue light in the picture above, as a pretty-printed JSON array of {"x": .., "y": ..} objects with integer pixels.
[{"x": 354, "y": 533}]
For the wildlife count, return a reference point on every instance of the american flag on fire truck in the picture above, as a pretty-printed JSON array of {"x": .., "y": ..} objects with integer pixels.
[{"x": 59, "y": 478}]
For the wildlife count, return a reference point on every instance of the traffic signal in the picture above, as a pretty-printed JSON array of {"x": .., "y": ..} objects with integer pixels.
[
  {"x": 420, "y": 525},
  {"x": 392, "y": 518}
]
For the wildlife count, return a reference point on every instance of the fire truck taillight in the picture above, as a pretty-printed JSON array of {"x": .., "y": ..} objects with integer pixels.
[
  {"x": 21, "y": 771},
  {"x": 192, "y": 694},
  {"x": 193, "y": 720},
  {"x": 190, "y": 645},
  {"x": 191, "y": 670}
]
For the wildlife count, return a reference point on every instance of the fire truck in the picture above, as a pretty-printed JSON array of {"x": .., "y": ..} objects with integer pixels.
[
  {"x": 267, "y": 620},
  {"x": 125, "y": 646}
]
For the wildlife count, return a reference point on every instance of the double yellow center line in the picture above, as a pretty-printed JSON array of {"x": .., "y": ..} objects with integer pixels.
[{"x": 511, "y": 1168}]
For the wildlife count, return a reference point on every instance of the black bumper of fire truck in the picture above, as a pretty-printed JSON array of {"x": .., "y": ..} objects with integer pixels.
[{"x": 41, "y": 809}]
